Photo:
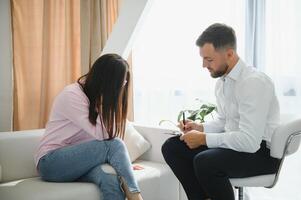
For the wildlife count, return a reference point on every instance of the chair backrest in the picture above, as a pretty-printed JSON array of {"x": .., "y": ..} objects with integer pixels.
[{"x": 286, "y": 139}]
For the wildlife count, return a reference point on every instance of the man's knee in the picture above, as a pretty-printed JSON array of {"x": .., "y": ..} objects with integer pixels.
[{"x": 168, "y": 146}]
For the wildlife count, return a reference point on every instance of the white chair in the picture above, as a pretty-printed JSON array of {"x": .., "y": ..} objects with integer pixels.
[{"x": 285, "y": 141}]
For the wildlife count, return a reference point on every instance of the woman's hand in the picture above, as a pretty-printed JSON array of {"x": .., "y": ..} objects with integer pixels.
[{"x": 189, "y": 126}]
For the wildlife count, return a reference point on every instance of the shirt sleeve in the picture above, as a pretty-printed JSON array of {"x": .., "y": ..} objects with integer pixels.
[
  {"x": 218, "y": 124},
  {"x": 254, "y": 96},
  {"x": 75, "y": 107}
]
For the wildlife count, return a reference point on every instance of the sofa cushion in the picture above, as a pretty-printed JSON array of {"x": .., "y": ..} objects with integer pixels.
[
  {"x": 36, "y": 189},
  {"x": 135, "y": 142},
  {"x": 155, "y": 180}
]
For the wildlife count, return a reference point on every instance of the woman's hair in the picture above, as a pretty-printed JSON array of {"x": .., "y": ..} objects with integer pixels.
[{"x": 106, "y": 86}]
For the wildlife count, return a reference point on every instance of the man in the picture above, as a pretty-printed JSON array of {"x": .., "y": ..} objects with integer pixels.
[{"x": 236, "y": 143}]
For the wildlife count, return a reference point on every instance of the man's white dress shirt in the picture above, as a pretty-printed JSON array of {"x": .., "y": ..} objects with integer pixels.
[{"x": 248, "y": 110}]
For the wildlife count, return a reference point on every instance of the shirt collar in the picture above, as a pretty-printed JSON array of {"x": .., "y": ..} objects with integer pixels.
[{"x": 235, "y": 71}]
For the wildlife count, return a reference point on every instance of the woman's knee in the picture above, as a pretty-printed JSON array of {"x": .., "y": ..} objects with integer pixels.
[{"x": 118, "y": 144}]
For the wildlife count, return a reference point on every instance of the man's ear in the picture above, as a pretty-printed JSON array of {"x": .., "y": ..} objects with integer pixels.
[{"x": 230, "y": 53}]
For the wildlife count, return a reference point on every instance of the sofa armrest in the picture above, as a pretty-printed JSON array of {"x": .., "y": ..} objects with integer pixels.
[
  {"x": 16, "y": 154},
  {"x": 156, "y": 136}
]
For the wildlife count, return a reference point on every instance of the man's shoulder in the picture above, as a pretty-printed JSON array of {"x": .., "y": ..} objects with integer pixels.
[
  {"x": 250, "y": 74},
  {"x": 252, "y": 79}
]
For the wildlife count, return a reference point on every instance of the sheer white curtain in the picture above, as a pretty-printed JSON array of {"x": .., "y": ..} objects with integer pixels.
[
  {"x": 283, "y": 65},
  {"x": 283, "y": 42},
  {"x": 168, "y": 74},
  {"x": 255, "y": 33}
]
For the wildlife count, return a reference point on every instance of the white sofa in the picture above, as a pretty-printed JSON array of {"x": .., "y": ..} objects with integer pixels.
[{"x": 19, "y": 178}]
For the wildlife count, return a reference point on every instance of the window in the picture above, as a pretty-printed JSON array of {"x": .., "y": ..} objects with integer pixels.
[
  {"x": 168, "y": 73},
  {"x": 283, "y": 64}
]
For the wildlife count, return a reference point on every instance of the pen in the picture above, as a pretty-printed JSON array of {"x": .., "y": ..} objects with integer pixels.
[{"x": 184, "y": 120}]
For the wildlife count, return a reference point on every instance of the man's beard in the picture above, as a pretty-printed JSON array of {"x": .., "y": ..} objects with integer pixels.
[{"x": 221, "y": 72}]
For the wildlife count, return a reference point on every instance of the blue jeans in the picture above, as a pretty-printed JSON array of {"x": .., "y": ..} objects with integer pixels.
[{"x": 82, "y": 162}]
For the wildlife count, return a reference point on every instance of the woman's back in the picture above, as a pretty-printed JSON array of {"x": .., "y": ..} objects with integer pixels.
[{"x": 69, "y": 122}]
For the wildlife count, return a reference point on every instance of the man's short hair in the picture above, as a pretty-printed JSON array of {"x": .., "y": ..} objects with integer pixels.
[{"x": 219, "y": 35}]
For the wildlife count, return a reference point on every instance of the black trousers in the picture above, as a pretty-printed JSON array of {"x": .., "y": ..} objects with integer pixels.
[{"x": 204, "y": 173}]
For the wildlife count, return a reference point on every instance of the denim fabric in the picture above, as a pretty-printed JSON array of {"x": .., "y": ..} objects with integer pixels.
[{"x": 82, "y": 162}]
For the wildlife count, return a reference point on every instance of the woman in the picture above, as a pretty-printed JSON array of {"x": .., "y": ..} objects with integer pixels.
[{"x": 87, "y": 119}]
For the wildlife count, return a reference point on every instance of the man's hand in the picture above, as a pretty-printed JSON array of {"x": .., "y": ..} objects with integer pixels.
[
  {"x": 194, "y": 139},
  {"x": 189, "y": 126}
]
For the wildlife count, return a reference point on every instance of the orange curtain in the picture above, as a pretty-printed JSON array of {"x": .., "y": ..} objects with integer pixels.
[
  {"x": 54, "y": 42},
  {"x": 46, "y": 48},
  {"x": 97, "y": 21}
]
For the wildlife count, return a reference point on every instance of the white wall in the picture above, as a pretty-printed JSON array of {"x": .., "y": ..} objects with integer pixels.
[
  {"x": 6, "y": 88},
  {"x": 127, "y": 26}
]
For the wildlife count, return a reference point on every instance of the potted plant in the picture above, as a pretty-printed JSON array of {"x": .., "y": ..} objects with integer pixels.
[{"x": 198, "y": 114}]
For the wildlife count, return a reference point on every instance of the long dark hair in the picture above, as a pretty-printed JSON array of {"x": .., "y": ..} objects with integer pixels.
[{"x": 106, "y": 86}]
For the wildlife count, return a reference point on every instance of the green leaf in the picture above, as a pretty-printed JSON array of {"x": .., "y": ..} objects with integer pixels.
[{"x": 199, "y": 114}]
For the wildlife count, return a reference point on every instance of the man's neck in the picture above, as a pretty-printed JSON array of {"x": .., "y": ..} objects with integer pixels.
[{"x": 232, "y": 63}]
